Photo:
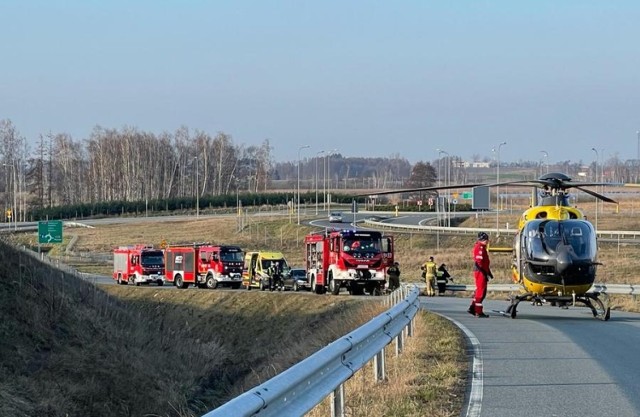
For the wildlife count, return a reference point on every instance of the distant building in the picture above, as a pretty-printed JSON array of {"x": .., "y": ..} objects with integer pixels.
[{"x": 476, "y": 164}]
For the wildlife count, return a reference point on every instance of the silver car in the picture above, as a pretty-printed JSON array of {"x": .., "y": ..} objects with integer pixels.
[{"x": 335, "y": 217}]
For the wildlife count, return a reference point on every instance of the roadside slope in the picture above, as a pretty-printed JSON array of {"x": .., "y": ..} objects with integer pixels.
[{"x": 70, "y": 348}]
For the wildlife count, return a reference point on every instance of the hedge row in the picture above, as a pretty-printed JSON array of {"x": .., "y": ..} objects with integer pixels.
[{"x": 171, "y": 205}]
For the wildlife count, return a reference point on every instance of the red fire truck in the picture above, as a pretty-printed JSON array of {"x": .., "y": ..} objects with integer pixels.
[
  {"x": 204, "y": 265},
  {"x": 355, "y": 259},
  {"x": 138, "y": 264}
]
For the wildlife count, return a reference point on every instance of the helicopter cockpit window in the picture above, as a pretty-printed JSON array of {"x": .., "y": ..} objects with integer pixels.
[
  {"x": 533, "y": 245},
  {"x": 543, "y": 237}
]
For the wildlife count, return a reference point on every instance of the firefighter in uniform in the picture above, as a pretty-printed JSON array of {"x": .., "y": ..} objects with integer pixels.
[
  {"x": 442, "y": 277},
  {"x": 394, "y": 276},
  {"x": 429, "y": 274},
  {"x": 481, "y": 273}
]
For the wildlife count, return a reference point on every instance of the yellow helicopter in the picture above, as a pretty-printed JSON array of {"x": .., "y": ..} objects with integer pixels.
[
  {"x": 555, "y": 249},
  {"x": 555, "y": 253}
]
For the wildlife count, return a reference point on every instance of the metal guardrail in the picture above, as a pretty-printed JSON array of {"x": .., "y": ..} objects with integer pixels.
[
  {"x": 301, "y": 387},
  {"x": 603, "y": 234}
]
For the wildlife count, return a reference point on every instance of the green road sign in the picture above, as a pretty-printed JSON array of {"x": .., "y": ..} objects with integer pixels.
[
  {"x": 467, "y": 195},
  {"x": 50, "y": 231}
]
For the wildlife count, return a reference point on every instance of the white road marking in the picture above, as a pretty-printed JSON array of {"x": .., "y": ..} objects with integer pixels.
[{"x": 475, "y": 397}]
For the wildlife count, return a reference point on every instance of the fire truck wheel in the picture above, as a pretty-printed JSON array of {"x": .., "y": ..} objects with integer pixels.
[
  {"x": 133, "y": 280},
  {"x": 373, "y": 290},
  {"x": 356, "y": 290},
  {"x": 160, "y": 283},
  {"x": 119, "y": 279},
  {"x": 179, "y": 282},
  {"x": 334, "y": 286},
  {"x": 211, "y": 282}
]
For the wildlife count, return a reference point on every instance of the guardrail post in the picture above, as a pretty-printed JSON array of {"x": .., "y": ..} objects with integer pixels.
[
  {"x": 337, "y": 401},
  {"x": 410, "y": 328},
  {"x": 399, "y": 343},
  {"x": 378, "y": 366}
]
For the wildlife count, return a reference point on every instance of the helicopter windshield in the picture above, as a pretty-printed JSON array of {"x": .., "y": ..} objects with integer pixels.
[{"x": 542, "y": 238}]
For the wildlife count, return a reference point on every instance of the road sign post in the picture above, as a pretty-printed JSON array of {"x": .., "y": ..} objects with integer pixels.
[{"x": 50, "y": 231}]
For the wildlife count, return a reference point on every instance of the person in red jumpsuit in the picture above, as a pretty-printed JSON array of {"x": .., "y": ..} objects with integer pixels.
[{"x": 481, "y": 273}]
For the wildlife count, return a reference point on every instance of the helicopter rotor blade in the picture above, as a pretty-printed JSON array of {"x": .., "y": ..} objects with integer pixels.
[
  {"x": 594, "y": 194},
  {"x": 413, "y": 190}
]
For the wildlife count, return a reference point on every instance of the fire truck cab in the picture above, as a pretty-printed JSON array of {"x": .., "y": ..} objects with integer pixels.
[
  {"x": 354, "y": 259},
  {"x": 138, "y": 264},
  {"x": 204, "y": 265}
]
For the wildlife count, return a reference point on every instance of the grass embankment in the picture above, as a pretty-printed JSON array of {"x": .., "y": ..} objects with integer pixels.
[
  {"x": 427, "y": 379},
  {"x": 68, "y": 348}
]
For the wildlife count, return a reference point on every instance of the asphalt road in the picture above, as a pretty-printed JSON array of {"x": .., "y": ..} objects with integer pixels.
[{"x": 548, "y": 361}]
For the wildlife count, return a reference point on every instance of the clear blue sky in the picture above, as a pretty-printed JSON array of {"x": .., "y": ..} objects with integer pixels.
[{"x": 368, "y": 78}]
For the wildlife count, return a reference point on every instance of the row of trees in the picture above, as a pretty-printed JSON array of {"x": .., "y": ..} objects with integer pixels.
[
  {"x": 130, "y": 165},
  {"x": 125, "y": 165}
]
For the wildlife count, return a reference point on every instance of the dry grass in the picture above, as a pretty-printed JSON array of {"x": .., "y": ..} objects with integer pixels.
[
  {"x": 69, "y": 348},
  {"x": 427, "y": 379}
]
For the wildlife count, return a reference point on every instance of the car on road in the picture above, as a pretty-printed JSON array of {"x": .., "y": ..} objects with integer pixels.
[
  {"x": 296, "y": 280},
  {"x": 335, "y": 217}
]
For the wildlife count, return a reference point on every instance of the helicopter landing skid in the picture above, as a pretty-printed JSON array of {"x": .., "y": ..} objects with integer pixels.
[
  {"x": 515, "y": 300},
  {"x": 596, "y": 301},
  {"x": 599, "y": 305}
]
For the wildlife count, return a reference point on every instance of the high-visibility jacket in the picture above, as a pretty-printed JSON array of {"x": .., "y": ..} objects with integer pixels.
[{"x": 429, "y": 269}]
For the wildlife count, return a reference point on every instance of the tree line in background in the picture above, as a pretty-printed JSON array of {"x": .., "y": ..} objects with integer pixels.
[{"x": 131, "y": 166}]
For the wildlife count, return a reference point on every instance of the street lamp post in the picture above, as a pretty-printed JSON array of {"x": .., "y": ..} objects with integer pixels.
[
  {"x": 14, "y": 210},
  {"x": 298, "y": 207},
  {"x": 197, "y": 190},
  {"x": 324, "y": 182},
  {"x": 447, "y": 181},
  {"x": 331, "y": 152},
  {"x": 317, "y": 156},
  {"x": 546, "y": 161},
  {"x": 638, "y": 157},
  {"x": 498, "y": 187},
  {"x": 596, "y": 177}
]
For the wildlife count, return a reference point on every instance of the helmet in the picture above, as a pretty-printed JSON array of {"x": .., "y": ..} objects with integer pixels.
[{"x": 483, "y": 236}]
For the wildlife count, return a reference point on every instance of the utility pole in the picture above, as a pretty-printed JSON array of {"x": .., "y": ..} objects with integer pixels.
[
  {"x": 197, "y": 190},
  {"x": 498, "y": 188},
  {"x": 298, "y": 206},
  {"x": 317, "y": 155}
]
